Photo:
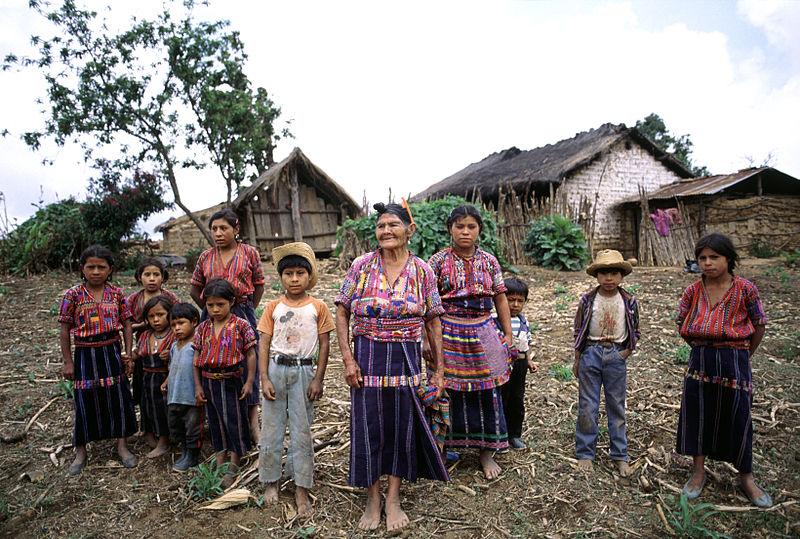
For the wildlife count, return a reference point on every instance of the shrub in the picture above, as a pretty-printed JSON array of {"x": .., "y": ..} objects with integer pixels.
[
  {"x": 791, "y": 260},
  {"x": 57, "y": 233},
  {"x": 557, "y": 243},
  {"x": 762, "y": 249},
  {"x": 431, "y": 235}
]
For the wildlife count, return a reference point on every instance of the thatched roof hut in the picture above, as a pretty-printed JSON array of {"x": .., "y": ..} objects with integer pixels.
[
  {"x": 293, "y": 200},
  {"x": 532, "y": 170}
]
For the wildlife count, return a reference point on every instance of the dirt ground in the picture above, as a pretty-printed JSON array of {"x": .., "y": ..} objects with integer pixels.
[{"x": 540, "y": 492}]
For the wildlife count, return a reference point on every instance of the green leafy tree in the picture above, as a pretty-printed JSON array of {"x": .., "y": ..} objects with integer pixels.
[
  {"x": 126, "y": 93},
  {"x": 654, "y": 128},
  {"x": 431, "y": 235}
]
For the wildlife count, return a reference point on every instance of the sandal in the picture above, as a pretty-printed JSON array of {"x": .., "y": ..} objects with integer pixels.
[
  {"x": 764, "y": 502},
  {"x": 691, "y": 493},
  {"x": 77, "y": 468}
]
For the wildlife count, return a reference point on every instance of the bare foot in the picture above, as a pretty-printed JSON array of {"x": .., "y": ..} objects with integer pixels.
[
  {"x": 158, "y": 451},
  {"x": 372, "y": 513},
  {"x": 396, "y": 518},
  {"x": 585, "y": 465},
  {"x": 624, "y": 468},
  {"x": 271, "y": 492},
  {"x": 150, "y": 440},
  {"x": 302, "y": 500},
  {"x": 490, "y": 468}
]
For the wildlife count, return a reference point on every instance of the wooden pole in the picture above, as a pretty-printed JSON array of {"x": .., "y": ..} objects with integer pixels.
[{"x": 297, "y": 223}]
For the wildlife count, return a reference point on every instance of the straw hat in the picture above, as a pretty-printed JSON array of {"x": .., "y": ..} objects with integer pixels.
[
  {"x": 609, "y": 259},
  {"x": 298, "y": 248}
]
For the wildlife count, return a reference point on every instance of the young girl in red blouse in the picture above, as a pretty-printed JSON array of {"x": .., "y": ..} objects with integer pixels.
[
  {"x": 93, "y": 313},
  {"x": 152, "y": 354},
  {"x": 224, "y": 368},
  {"x": 721, "y": 317},
  {"x": 240, "y": 265}
]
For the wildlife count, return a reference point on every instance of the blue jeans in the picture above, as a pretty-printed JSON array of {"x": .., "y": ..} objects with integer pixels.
[
  {"x": 601, "y": 366},
  {"x": 291, "y": 405}
]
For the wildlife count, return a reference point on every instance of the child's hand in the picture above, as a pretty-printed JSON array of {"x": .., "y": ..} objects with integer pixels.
[
  {"x": 533, "y": 367},
  {"x": 246, "y": 390},
  {"x": 164, "y": 355},
  {"x": 314, "y": 390},
  {"x": 576, "y": 366},
  {"x": 624, "y": 354},
  {"x": 509, "y": 340},
  {"x": 68, "y": 370},
  {"x": 164, "y": 387},
  {"x": 267, "y": 389},
  {"x": 200, "y": 395}
]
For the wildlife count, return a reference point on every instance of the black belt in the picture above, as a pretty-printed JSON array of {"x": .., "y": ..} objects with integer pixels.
[
  {"x": 291, "y": 361},
  {"x": 604, "y": 344}
]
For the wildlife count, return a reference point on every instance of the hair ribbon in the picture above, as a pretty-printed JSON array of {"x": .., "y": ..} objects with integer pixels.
[{"x": 404, "y": 204}]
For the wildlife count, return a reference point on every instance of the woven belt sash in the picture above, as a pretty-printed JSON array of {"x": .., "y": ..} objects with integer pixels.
[
  {"x": 392, "y": 381},
  {"x": 222, "y": 375},
  {"x": 94, "y": 384}
]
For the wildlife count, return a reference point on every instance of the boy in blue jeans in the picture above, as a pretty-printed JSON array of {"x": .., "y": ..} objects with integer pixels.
[
  {"x": 291, "y": 328},
  {"x": 606, "y": 331}
]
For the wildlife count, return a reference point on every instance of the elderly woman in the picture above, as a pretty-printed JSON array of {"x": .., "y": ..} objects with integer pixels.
[{"x": 392, "y": 296}]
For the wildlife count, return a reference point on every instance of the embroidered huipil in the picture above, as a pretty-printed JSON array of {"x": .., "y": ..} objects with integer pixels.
[
  {"x": 384, "y": 313},
  {"x": 729, "y": 323},
  {"x": 467, "y": 286},
  {"x": 136, "y": 302},
  {"x": 150, "y": 358},
  {"x": 88, "y": 317},
  {"x": 584, "y": 314},
  {"x": 243, "y": 270},
  {"x": 226, "y": 349}
]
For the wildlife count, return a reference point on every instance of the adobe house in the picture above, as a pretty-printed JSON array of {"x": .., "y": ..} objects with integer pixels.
[
  {"x": 752, "y": 206},
  {"x": 584, "y": 177},
  {"x": 293, "y": 200}
]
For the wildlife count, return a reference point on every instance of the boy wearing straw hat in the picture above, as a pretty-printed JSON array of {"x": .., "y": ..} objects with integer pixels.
[
  {"x": 291, "y": 328},
  {"x": 606, "y": 331}
]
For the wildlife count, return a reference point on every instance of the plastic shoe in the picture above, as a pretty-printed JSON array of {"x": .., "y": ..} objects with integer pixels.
[
  {"x": 130, "y": 462},
  {"x": 77, "y": 468},
  {"x": 691, "y": 493},
  {"x": 516, "y": 443},
  {"x": 182, "y": 464},
  {"x": 452, "y": 456},
  {"x": 764, "y": 502}
]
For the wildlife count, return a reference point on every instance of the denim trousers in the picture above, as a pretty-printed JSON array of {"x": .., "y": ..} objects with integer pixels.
[
  {"x": 604, "y": 367},
  {"x": 291, "y": 404}
]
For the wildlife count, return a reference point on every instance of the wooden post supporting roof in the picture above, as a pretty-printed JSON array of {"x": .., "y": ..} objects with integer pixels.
[{"x": 297, "y": 224}]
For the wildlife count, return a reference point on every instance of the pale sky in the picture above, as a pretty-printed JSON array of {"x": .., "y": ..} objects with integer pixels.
[{"x": 403, "y": 94}]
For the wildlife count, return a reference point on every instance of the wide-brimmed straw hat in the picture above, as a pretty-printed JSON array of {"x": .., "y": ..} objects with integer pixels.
[
  {"x": 609, "y": 259},
  {"x": 298, "y": 248}
]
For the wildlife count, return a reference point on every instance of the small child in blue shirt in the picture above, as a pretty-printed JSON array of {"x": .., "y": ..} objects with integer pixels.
[
  {"x": 513, "y": 391},
  {"x": 183, "y": 414}
]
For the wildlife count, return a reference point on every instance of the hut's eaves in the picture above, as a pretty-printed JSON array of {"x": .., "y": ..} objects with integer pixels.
[
  {"x": 311, "y": 172},
  {"x": 773, "y": 182},
  {"x": 519, "y": 169}
]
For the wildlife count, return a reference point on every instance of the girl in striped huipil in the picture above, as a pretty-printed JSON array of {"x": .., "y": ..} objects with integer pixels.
[
  {"x": 94, "y": 313},
  {"x": 240, "y": 265},
  {"x": 721, "y": 317}
]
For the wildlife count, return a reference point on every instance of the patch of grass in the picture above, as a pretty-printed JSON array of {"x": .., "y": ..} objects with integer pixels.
[
  {"x": 207, "y": 481},
  {"x": 690, "y": 520},
  {"x": 66, "y": 388},
  {"x": 259, "y": 312},
  {"x": 306, "y": 532},
  {"x": 679, "y": 353},
  {"x": 277, "y": 286},
  {"x": 791, "y": 260},
  {"x": 562, "y": 373},
  {"x": 24, "y": 408},
  {"x": 762, "y": 249},
  {"x": 633, "y": 288},
  {"x": 560, "y": 289},
  {"x": 3, "y": 289}
]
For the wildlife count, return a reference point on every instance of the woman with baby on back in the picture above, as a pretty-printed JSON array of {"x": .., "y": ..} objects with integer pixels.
[{"x": 240, "y": 265}]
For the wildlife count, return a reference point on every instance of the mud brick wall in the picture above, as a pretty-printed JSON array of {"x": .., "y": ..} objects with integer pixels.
[
  {"x": 774, "y": 220},
  {"x": 615, "y": 176}
]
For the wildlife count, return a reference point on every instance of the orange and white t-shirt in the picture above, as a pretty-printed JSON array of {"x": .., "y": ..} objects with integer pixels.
[{"x": 295, "y": 329}]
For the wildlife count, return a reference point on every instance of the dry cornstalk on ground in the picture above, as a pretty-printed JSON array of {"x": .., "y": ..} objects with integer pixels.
[{"x": 540, "y": 492}]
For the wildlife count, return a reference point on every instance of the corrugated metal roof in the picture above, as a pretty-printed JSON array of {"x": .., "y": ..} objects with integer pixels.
[{"x": 710, "y": 185}]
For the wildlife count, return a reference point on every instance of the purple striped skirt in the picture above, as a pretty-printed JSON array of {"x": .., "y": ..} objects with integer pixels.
[
  {"x": 389, "y": 434},
  {"x": 714, "y": 419},
  {"x": 228, "y": 423},
  {"x": 102, "y": 397}
]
